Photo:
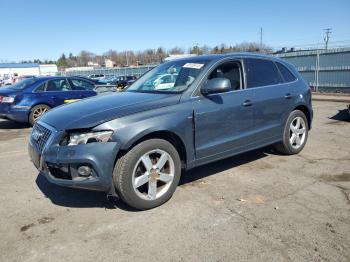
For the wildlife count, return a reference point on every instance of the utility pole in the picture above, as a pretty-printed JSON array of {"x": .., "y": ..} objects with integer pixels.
[
  {"x": 127, "y": 58},
  {"x": 328, "y": 32},
  {"x": 261, "y": 38}
]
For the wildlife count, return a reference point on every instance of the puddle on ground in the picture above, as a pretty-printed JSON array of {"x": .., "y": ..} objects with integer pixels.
[
  {"x": 343, "y": 177},
  {"x": 26, "y": 227},
  {"x": 45, "y": 220}
]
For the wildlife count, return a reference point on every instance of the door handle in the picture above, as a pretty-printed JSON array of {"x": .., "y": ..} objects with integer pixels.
[
  {"x": 53, "y": 97},
  {"x": 288, "y": 96},
  {"x": 247, "y": 103}
]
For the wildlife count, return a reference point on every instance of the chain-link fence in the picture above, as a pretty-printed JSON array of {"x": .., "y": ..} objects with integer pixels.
[
  {"x": 325, "y": 70},
  {"x": 109, "y": 72}
]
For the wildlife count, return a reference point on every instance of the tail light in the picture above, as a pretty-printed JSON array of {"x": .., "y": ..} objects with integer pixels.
[{"x": 7, "y": 99}]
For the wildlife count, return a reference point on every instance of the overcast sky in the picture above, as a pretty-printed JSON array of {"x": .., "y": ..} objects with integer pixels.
[{"x": 46, "y": 29}]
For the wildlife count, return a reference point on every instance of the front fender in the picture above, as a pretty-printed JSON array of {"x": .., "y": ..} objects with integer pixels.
[{"x": 176, "y": 119}]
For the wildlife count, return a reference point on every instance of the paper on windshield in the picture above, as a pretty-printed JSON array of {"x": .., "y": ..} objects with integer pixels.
[{"x": 193, "y": 65}]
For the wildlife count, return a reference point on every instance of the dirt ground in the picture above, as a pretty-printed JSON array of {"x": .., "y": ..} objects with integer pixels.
[{"x": 259, "y": 206}]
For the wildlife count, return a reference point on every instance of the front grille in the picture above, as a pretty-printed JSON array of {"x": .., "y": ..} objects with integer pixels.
[{"x": 39, "y": 136}]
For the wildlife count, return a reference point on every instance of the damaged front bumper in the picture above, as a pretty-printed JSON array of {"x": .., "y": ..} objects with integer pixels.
[{"x": 88, "y": 166}]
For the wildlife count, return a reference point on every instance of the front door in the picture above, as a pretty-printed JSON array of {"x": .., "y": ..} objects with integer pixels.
[{"x": 224, "y": 121}]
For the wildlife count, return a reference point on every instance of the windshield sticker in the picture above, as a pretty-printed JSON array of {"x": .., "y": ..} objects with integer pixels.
[{"x": 193, "y": 65}]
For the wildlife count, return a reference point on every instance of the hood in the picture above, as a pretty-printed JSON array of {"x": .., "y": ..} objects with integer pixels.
[{"x": 93, "y": 111}]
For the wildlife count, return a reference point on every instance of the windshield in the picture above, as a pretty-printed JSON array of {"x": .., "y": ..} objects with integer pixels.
[
  {"x": 175, "y": 76},
  {"x": 22, "y": 84}
]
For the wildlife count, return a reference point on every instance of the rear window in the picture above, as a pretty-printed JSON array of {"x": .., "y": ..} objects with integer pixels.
[
  {"x": 261, "y": 72},
  {"x": 286, "y": 74},
  {"x": 22, "y": 84}
]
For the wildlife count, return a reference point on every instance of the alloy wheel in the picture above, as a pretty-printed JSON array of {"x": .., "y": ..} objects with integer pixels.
[
  {"x": 153, "y": 174},
  {"x": 297, "y": 132},
  {"x": 38, "y": 112}
]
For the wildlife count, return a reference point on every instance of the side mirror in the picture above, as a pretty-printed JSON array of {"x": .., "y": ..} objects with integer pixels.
[{"x": 216, "y": 85}]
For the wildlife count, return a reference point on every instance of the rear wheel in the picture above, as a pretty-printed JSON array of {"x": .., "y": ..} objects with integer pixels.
[
  {"x": 295, "y": 134},
  {"x": 147, "y": 175},
  {"x": 36, "y": 112}
]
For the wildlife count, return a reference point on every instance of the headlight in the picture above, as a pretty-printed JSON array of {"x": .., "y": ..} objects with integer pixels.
[
  {"x": 90, "y": 137},
  {"x": 7, "y": 99}
]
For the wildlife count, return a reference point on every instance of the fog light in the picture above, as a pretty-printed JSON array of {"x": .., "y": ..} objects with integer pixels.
[{"x": 84, "y": 171}]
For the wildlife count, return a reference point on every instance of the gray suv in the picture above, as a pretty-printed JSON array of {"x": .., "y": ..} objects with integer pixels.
[{"x": 136, "y": 143}]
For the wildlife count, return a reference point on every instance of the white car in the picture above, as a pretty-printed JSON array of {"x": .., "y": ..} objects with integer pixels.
[
  {"x": 164, "y": 82},
  {"x": 7, "y": 80},
  {"x": 96, "y": 76}
]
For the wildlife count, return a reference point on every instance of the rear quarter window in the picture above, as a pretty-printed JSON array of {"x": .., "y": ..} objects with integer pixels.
[
  {"x": 261, "y": 72},
  {"x": 286, "y": 74}
]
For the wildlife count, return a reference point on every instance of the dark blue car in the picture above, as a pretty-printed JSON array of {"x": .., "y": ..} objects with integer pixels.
[
  {"x": 29, "y": 99},
  {"x": 135, "y": 143}
]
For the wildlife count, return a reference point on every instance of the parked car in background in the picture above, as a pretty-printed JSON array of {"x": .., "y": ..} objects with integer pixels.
[
  {"x": 136, "y": 143},
  {"x": 163, "y": 81},
  {"x": 123, "y": 81},
  {"x": 7, "y": 80},
  {"x": 29, "y": 99},
  {"x": 96, "y": 76},
  {"x": 20, "y": 78},
  {"x": 107, "y": 80}
]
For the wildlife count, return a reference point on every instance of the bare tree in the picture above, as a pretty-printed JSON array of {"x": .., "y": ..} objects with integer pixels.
[{"x": 176, "y": 51}]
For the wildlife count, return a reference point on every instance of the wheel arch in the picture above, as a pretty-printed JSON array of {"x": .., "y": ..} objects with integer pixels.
[
  {"x": 34, "y": 105},
  {"x": 307, "y": 113},
  {"x": 166, "y": 135}
]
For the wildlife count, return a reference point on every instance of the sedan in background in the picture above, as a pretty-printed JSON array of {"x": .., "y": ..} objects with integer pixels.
[
  {"x": 29, "y": 99},
  {"x": 123, "y": 81},
  {"x": 96, "y": 76}
]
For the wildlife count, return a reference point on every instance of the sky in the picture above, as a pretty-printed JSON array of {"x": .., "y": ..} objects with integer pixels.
[{"x": 45, "y": 29}]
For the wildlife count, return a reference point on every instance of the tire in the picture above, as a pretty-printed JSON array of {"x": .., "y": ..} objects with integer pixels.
[
  {"x": 130, "y": 174},
  {"x": 289, "y": 144},
  {"x": 35, "y": 112}
]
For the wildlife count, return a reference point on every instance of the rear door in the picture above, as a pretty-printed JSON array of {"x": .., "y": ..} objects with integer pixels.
[
  {"x": 83, "y": 87},
  {"x": 273, "y": 98},
  {"x": 58, "y": 91},
  {"x": 224, "y": 121}
]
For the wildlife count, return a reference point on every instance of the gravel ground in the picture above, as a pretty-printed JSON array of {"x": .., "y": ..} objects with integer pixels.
[{"x": 258, "y": 206}]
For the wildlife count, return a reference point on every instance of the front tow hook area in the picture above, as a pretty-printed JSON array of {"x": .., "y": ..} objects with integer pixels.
[{"x": 112, "y": 197}]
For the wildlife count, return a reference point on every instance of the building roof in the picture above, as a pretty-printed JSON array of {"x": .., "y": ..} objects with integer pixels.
[{"x": 18, "y": 65}]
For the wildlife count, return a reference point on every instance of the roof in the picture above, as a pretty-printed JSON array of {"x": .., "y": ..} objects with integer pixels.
[
  {"x": 18, "y": 65},
  {"x": 220, "y": 56}
]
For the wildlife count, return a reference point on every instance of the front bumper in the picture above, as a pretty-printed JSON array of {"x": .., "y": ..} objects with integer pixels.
[{"x": 59, "y": 164}]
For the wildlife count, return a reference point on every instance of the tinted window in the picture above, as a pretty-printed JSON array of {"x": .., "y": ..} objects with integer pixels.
[
  {"x": 286, "y": 74},
  {"x": 40, "y": 88},
  {"x": 261, "y": 73},
  {"x": 79, "y": 84},
  {"x": 22, "y": 84},
  {"x": 57, "y": 85},
  {"x": 230, "y": 71}
]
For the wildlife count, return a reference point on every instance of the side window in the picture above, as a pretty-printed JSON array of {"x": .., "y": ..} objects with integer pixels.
[
  {"x": 286, "y": 74},
  {"x": 40, "y": 88},
  {"x": 261, "y": 72},
  {"x": 78, "y": 84},
  {"x": 57, "y": 85},
  {"x": 231, "y": 71}
]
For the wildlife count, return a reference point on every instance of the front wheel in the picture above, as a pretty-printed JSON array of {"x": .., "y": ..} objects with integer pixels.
[
  {"x": 36, "y": 112},
  {"x": 147, "y": 175},
  {"x": 295, "y": 134}
]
